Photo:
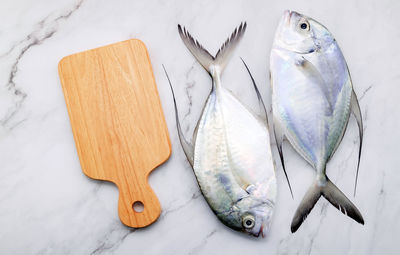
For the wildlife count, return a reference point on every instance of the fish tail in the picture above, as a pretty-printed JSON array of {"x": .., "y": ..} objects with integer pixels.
[
  {"x": 332, "y": 194},
  {"x": 208, "y": 61}
]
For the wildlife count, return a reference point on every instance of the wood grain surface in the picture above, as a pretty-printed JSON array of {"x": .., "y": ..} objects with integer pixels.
[{"x": 118, "y": 123}]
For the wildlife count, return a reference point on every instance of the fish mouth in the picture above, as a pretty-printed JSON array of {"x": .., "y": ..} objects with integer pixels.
[
  {"x": 260, "y": 232},
  {"x": 287, "y": 16}
]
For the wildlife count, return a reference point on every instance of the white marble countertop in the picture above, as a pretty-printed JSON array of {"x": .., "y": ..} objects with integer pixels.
[{"x": 48, "y": 206}]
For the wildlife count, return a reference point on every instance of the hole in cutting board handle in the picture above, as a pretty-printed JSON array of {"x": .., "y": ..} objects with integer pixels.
[{"x": 138, "y": 206}]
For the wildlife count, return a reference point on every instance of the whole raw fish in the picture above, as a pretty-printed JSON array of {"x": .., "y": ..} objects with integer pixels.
[
  {"x": 230, "y": 154},
  {"x": 312, "y": 97}
]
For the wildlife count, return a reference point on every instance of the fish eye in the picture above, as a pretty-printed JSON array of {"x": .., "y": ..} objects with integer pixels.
[
  {"x": 304, "y": 25},
  {"x": 248, "y": 222}
]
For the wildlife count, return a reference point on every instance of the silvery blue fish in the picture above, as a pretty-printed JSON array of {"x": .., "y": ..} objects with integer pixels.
[
  {"x": 312, "y": 98},
  {"x": 230, "y": 152}
]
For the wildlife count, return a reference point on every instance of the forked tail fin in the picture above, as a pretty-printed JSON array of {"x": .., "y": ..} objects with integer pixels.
[
  {"x": 204, "y": 57},
  {"x": 333, "y": 195}
]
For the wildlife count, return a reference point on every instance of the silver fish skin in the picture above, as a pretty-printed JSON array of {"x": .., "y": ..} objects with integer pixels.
[
  {"x": 312, "y": 98},
  {"x": 230, "y": 153}
]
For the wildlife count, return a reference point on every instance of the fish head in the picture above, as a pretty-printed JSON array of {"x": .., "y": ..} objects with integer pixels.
[
  {"x": 256, "y": 221},
  {"x": 301, "y": 34},
  {"x": 250, "y": 215}
]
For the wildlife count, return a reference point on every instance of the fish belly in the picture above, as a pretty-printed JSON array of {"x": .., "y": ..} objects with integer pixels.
[
  {"x": 232, "y": 152},
  {"x": 313, "y": 115},
  {"x": 249, "y": 148}
]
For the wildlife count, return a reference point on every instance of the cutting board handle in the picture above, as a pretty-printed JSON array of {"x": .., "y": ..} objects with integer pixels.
[{"x": 129, "y": 195}]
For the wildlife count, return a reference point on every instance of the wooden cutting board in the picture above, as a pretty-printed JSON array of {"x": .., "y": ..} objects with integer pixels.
[{"x": 118, "y": 123}]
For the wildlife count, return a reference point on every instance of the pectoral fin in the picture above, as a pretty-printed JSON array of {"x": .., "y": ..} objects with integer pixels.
[
  {"x": 250, "y": 188},
  {"x": 310, "y": 71},
  {"x": 186, "y": 146},
  {"x": 355, "y": 109}
]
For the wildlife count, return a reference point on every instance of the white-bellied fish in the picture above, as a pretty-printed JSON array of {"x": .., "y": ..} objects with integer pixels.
[
  {"x": 312, "y": 98},
  {"x": 230, "y": 152}
]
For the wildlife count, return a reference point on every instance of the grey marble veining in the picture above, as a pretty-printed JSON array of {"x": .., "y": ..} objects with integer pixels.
[{"x": 48, "y": 206}]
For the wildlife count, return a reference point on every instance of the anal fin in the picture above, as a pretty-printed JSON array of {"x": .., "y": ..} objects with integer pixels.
[
  {"x": 279, "y": 140},
  {"x": 260, "y": 100},
  {"x": 186, "y": 146},
  {"x": 355, "y": 109}
]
